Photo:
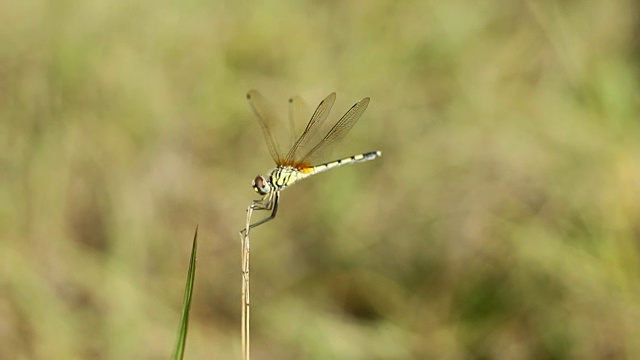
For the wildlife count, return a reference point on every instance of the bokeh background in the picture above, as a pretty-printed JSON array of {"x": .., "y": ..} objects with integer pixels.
[{"x": 502, "y": 221}]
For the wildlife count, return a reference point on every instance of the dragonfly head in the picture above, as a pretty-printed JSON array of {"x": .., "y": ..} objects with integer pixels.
[{"x": 261, "y": 185}]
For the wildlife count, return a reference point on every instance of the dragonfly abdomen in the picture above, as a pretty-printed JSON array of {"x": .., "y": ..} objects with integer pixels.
[{"x": 348, "y": 160}]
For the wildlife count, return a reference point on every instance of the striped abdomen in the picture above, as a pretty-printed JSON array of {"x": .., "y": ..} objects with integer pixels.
[{"x": 284, "y": 176}]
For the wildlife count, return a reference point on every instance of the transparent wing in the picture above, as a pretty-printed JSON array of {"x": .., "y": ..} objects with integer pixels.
[
  {"x": 338, "y": 131},
  {"x": 267, "y": 119},
  {"x": 317, "y": 119},
  {"x": 298, "y": 114}
]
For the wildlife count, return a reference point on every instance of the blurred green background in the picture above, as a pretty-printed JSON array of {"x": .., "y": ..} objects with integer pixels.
[{"x": 502, "y": 221}]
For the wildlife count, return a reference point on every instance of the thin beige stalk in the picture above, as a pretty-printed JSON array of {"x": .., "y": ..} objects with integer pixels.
[{"x": 245, "y": 247}]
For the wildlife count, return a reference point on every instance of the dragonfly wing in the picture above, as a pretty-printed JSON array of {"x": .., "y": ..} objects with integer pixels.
[
  {"x": 316, "y": 121},
  {"x": 298, "y": 113},
  {"x": 267, "y": 119},
  {"x": 338, "y": 131}
]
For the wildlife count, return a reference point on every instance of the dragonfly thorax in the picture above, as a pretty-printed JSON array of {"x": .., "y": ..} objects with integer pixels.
[{"x": 278, "y": 179}]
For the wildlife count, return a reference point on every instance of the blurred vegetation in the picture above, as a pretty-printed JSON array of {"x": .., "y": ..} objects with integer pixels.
[{"x": 502, "y": 221}]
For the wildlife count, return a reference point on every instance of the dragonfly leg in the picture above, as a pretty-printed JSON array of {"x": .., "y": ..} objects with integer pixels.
[{"x": 271, "y": 203}]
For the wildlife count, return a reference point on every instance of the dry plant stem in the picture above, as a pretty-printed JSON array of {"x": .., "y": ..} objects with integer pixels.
[{"x": 245, "y": 247}]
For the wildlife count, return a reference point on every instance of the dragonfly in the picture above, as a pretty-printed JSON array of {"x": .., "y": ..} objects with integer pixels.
[{"x": 300, "y": 161}]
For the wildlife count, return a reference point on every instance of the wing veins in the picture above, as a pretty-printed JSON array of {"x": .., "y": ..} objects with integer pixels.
[
  {"x": 339, "y": 130},
  {"x": 317, "y": 119},
  {"x": 266, "y": 117},
  {"x": 297, "y": 110}
]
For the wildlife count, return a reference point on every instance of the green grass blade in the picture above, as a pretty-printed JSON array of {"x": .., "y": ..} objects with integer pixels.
[{"x": 178, "y": 353}]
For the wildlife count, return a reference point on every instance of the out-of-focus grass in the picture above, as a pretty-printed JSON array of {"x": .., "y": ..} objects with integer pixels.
[{"x": 501, "y": 221}]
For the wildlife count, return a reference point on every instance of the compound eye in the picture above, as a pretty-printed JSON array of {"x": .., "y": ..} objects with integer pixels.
[{"x": 261, "y": 185}]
